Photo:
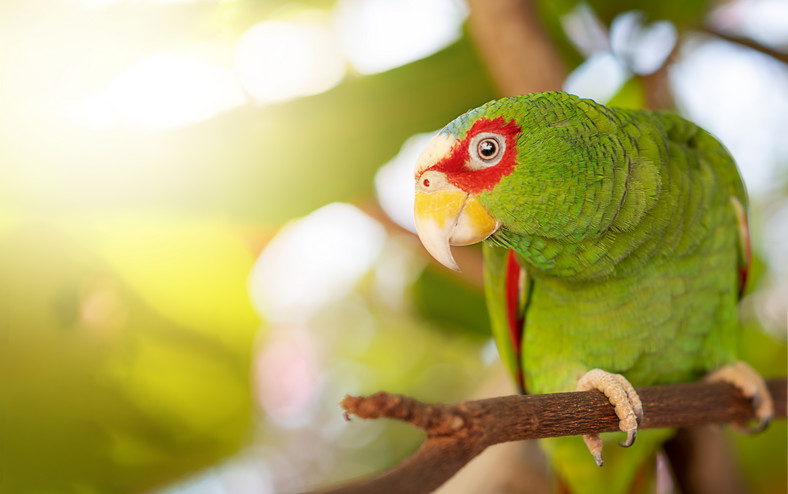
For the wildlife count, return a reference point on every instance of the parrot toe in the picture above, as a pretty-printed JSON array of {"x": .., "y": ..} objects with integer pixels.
[
  {"x": 631, "y": 435},
  {"x": 751, "y": 384},
  {"x": 594, "y": 444},
  {"x": 623, "y": 397}
]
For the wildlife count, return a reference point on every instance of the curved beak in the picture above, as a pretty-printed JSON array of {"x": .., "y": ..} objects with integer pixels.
[{"x": 446, "y": 216}]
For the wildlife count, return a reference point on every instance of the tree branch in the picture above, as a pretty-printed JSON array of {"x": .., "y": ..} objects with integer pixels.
[
  {"x": 749, "y": 43},
  {"x": 457, "y": 433}
]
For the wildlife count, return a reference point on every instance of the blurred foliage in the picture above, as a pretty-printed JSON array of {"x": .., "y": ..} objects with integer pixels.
[
  {"x": 263, "y": 164},
  {"x": 685, "y": 14},
  {"x": 763, "y": 456},
  {"x": 123, "y": 352},
  {"x": 128, "y": 342},
  {"x": 126, "y": 350},
  {"x": 450, "y": 301}
]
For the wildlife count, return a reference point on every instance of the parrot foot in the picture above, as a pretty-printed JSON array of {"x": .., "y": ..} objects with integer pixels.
[
  {"x": 623, "y": 397},
  {"x": 751, "y": 384}
]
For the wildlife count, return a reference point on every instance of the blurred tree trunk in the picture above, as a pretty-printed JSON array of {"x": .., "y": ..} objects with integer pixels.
[
  {"x": 514, "y": 46},
  {"x": 703, "y": 462}
]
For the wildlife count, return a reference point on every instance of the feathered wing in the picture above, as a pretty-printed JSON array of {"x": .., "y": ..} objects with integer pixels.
[
  {"x": 507, "y": 288},
  {"x": 714, "y": 153}
]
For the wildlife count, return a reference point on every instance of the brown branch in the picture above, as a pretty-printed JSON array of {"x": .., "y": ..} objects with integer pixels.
[
  {"x": 749, "y": 43},
  {"x": 517, "y": 51},
  {"x": 457, "y": 433}
]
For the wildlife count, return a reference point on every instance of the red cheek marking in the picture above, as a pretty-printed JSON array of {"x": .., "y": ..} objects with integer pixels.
[{"x": 475, "y": 181}]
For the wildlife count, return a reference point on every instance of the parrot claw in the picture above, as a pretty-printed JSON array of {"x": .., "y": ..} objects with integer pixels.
[
  {"x": 594, "y": 444},
  {"x": 751, "y": 384},
  {"x": 631, "y": 435},
  {"x": 623, "y": 397}
]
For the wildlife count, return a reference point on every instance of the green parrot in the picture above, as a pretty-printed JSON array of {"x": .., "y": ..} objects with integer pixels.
[{"x": 615, "y": 251}]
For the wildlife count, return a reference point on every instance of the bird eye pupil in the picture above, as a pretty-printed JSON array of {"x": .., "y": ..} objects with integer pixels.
[{"x": 488, "y": 149}]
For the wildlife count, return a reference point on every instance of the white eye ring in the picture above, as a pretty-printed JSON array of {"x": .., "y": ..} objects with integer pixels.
[{"x": 486, "y": 150}]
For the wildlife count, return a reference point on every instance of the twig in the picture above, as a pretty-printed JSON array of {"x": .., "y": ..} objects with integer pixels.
[
  {"x": 457, "y": 433},
  {"x": 749, "y": 43}
]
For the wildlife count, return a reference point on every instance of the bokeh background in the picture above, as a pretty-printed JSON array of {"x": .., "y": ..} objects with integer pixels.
[{"x": 205, "y": 227}]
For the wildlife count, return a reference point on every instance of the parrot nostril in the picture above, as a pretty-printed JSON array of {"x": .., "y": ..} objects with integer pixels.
[{"x": 426, "y": 182}]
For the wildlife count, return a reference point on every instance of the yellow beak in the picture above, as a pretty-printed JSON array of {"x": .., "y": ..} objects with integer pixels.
[{"x": 446, "y": 216}]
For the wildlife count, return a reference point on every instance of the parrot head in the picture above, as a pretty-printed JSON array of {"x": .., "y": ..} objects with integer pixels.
[
  {"x": 467, "y": 158},
  {"x": 536, "y": 172}
]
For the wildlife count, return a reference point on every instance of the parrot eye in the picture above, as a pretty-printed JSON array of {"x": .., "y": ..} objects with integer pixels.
[{"x": 486, "y": 150}]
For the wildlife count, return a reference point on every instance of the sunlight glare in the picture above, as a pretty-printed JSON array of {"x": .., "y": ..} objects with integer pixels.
[
  {"x": 243, "y": 473},
  {"x": 771, "y": 298},
  {"x": 378, "y": 35},
  {"x": 278, "y": 61},
  {"x": 97, "y": 4},
  {"x": 314, "y": 261},
  {"x": 599, "y": 77},
  {"x": 761, "y": 20},
  {"x": 395, "y": 185},
  {"x": 585, "y": 31},
  {"x": 94, "y": 112},
  {"x": 741, "y": 97},
  {"x": 287, "y": 377},
  {"x": 100, "y": 4},
  {"x": 169, "y": 90},
  {"x": 644, "y": 47}
]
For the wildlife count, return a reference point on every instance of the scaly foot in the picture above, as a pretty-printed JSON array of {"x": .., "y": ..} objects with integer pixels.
[
  {"x": 751, "y": 385},
  {"x": 622, "y": 395}
]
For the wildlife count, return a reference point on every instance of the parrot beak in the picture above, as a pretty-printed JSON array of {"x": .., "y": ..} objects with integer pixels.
[{"x": 446, "y": 216}]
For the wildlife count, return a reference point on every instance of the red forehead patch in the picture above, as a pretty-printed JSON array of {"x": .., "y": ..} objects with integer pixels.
[{"x": 455, "y": 164}]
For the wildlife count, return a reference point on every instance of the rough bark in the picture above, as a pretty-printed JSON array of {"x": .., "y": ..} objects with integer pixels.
[{"x": 459, "y": 432}]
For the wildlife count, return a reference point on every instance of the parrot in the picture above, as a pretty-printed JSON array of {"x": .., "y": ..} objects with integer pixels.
[{"x": 615, "y": 250}]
